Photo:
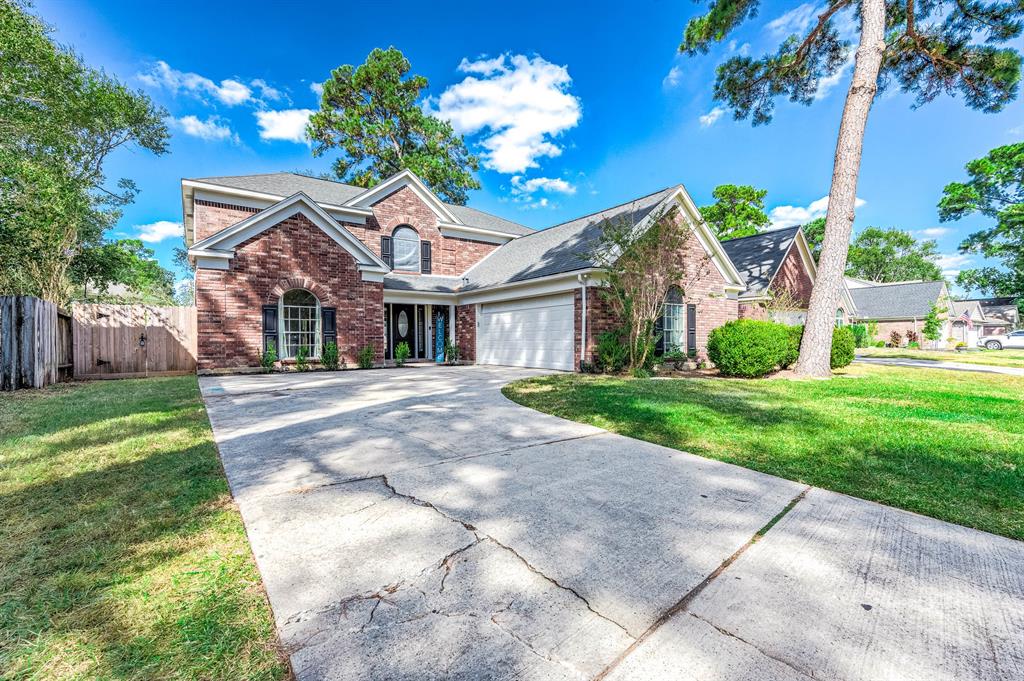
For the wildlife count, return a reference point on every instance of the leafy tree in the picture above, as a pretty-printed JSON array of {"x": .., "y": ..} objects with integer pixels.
[
  {"x": 371, "y": 115},
  {"x": 59, "y": 120},
  {"x": 738, "y": 211},
  {"x": 932, "y": 327},
  {"x": 995, "y": 190},
  {"x": 887, "y": 255},
  {"x": 814, "y": 232},
  {"x": 642, "y": 261},
  {"x": 926, "y": 48},
  {"x": 127, "y": 262}
]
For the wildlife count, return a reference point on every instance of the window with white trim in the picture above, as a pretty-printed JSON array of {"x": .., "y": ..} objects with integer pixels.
[
  {"x": 840, "y": 318},
  {"x": 674, "y": 327},
  {"x": 300, "y": 324},
  {"x": 406, "y": 247}
]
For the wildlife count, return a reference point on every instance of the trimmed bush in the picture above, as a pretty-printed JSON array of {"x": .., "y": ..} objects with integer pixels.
[
  {"x": 402, "y": 353},
  {"x": 365, "y": 357},
  {"x": 330, "y": 357},
  {"x": 611, "y": 353},
  {"x": 748, "y": 348},
  {"x": 269, "y": 358},
  {"x": 842, "y": 348},
  {"x": 795, "y": 334},
  {"x": 860, "y": 335}
]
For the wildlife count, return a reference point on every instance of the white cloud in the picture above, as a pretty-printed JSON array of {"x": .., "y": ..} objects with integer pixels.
[
  {"x": 673, "y": 77},
  {"x": 932, "y": 232},
  {"x": 952, "y": 263},
  {"x": 711, "y": 117},
  {"x": 317, "y": 88},
  {"x": 518, "y": 104},
  {"x": 212, "y": 129},
  {"x": 826, "y": 84},
  {"x": 287, "y": 124},
  {"x": 742, "y": 50},
  {"x": 228, "y": 91},
  {"x": 158, "y": 231},
  {"x": 789, "y": 216},
  {"x": 795, "y": 20},
  {"x": 267, "y": 91}
]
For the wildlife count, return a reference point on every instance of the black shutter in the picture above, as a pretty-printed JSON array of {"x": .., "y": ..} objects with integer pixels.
[
  {"x": 329, "y": 325},
  {"x": 386, "y": 254},
  {"x": 691, "y": 329},
  {"x": 270, "y": 327},
  {"x": 659, "y": 333},
  {"x": 425, "y": 257}
]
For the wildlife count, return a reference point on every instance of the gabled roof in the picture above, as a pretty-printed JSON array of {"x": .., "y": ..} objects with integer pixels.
[
  {"x": 334, "y": 193},
  {"x": 999, "y": 310},
  {"x": 897, "y": 301},
  {"x": 758, "y": 257},
  {"x": 222, "y": 244},
  {"x": 971, "y": 307}
]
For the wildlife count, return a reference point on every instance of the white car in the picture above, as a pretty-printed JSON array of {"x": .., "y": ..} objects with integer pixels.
[{"x": 1014, "y": 339}]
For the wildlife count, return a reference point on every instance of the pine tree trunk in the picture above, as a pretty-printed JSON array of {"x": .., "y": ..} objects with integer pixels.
[{"x": 816, "y": 347}]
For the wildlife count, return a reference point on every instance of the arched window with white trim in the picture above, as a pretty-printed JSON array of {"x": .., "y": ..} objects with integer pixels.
[
  {"x": 406, "y": 245},
  {"x": 299, "y": 312},
  {"x": 840, "y": 318}
]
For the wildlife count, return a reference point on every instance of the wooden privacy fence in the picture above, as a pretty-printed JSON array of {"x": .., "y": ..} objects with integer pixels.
[
  {"x": 30, "y": 342},
  {"x": 126, "y": 341}
]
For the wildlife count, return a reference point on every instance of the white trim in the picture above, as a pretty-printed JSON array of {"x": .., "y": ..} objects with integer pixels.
[
  {"x": 541, "y": 286},
  {"x": 418, "y": 297},
  {"x": 474, "y": 233},
  {"x": 405, "y": 178},
  {"x": 211, "y": 263},
  {"x": 224, "y": 242},
  {"x": 262, "y": 196}
]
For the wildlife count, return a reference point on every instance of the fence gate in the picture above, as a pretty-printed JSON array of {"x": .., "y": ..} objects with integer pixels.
[{"x": 122, "y": 341}]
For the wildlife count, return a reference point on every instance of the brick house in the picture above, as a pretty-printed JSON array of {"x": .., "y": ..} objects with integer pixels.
[{"x": 299, "y": 262}]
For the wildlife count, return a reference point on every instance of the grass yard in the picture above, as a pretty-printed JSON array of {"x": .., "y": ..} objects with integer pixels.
[
  {"x": 942, "y": 443},
  {"x": 1006, "y": 358},
  {"x": 121, "y": 553}
]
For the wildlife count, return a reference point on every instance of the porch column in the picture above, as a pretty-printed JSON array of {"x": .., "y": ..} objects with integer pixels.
[
  {"x": 428, "y": 336},
  {"x": 451, "y": 322}
]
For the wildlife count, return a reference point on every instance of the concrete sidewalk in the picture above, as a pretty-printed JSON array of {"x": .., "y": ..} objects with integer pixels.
[
  {"x": 415, "y": 524},
  {"x": 931, "y": 364}
]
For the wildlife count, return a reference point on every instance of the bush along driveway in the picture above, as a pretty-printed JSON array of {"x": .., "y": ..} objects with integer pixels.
[{"x": 122, "y": 555}]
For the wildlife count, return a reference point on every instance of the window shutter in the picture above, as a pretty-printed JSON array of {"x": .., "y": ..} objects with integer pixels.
[
  {"x": 386, "y": 254},
  {"x": 329, "y": 325},
  {"x": 270, "y": 327},
  {"x": 425, "y": 260},
  {"x": 659, "y": 333},
  {"x": 691, "y": 329}
]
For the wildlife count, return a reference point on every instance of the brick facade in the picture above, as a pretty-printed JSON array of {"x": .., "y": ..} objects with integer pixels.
[
  {"x": 793, "y": 279},
  {"x": 210, "y": 217},
  {"x": 292, "y": 254},
  {"x": 752, "y": 311},
  {"x": 465, "y": 332}
]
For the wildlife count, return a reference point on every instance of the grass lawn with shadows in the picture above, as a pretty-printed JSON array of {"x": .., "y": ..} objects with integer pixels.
[
  {"x": 122, "y": 555},
  {"x": 945, "y": 444}
]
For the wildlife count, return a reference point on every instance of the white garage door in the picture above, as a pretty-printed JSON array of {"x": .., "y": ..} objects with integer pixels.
[{"x": 535, "y": 332}]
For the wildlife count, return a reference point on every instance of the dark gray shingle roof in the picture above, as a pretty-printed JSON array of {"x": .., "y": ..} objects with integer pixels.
[
  {"x": 555, "y": 250},
  {"x": 337, "y": 193},
  {"x": 758, "y": 257},
  {"x": 416, "y": 282},
  {"x": 896, "y": 301}
]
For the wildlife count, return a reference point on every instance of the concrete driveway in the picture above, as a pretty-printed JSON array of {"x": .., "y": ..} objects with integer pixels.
[{"x": 415, "y": 524}]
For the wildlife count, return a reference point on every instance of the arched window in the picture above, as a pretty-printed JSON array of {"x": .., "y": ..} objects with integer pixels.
[
  {"x": 300, "y": 324},
  {"x": 406, "y": 248},
  {"x": 840, "y": 317}
]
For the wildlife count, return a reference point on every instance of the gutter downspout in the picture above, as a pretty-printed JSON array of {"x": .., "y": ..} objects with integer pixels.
[{"x": 583, "y": 314}]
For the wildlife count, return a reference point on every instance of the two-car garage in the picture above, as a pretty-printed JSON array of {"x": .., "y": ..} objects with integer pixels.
[{"x": 532, "y": 332}]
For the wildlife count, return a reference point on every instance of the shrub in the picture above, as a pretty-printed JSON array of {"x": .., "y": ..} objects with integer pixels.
[
  {"x": 913, "y": 344},
  {"x": 911, "y": 336},
  {"x": 795, "y": 335},
  {"x": 748, "y": 347},
  {"x": 842, "y": 348},
  {"x": 879, "y": 344},
  {"x": 451, "y": 352},
  {"x": 365, "y": 357},
  {"x": 330, "y": 357},
  {"x": 269, "y": 357},
  {"x": 895, "y": 339},
  {"x": 302, "y": 359},
  {"x": 402, "y": 353},
  {"x": 872, "y": 329},
  {"x": 611, "y": 354},
  {"x": 860, "y": 335}
]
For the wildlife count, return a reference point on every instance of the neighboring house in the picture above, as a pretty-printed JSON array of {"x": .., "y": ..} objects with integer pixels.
[
  {"x": 999, "y": 315},
  {"x": 299, "y": 262},
  {"x": 778, "y": 270},
  {"x": 900, "y": 306}
]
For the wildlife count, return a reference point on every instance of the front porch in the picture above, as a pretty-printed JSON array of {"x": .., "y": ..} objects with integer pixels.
[{"x": 424, "y": 326}]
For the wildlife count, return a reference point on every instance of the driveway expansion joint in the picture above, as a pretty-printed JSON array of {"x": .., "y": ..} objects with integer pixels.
[{"x": 684, "y": 603}]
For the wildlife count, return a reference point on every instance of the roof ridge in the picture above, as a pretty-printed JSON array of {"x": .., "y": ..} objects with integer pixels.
[
  {"x": 764, "y": 233},
  {"x": 881, "y": 284},
  {"x": 587, "y": 215}
]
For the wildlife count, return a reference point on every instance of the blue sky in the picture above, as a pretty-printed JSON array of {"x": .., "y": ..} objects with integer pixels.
[{"x": 572, "y": 107}]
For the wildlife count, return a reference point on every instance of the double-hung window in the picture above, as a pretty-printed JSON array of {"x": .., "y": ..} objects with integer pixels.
[{"x": 674, "y": 327}]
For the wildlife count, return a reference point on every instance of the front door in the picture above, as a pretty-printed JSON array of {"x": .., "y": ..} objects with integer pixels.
[{"x": 403, "y": 328}]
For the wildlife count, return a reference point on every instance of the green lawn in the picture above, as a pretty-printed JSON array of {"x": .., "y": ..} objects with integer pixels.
[
  {"x": 1006, "y": 358},
  {"x": 943, "y": 443},
  {"x": 122, "y": 555}
]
